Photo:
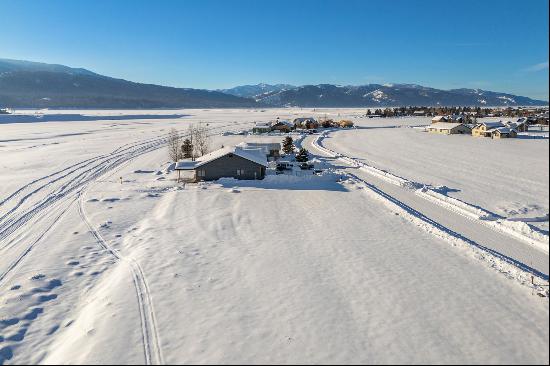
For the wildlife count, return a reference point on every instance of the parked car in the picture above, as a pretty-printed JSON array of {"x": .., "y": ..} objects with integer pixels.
[{"x": 284, "y": 165}]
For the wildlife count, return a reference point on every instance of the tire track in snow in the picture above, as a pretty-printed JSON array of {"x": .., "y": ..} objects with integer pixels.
[
  {"x": 15, "y": 221},
  {"x": 22, "y": 256},
  {"x": 17, "y": 217},
  {"x": 151, "y": 342}
]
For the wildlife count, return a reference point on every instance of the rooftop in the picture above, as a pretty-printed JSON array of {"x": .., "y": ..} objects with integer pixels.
[{"x": 254, "y": 155}]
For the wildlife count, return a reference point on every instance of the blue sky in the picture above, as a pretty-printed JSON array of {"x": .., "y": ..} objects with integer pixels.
[{"x": 495, "y": 45}]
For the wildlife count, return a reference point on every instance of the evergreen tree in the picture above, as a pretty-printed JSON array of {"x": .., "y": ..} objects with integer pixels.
[
  {"x": 302, "y": 156},
  {"x": 187, "y": 149},
  {"x": 288, "y": 145}
]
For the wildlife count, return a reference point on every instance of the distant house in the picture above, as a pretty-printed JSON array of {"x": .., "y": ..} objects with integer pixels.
[
  {"x": 282, "y": 126},
  {"x": 229, "y": 162},
  {"x": 305, "y": 123},
  {"x": 503, "y": 132},
  {"x": 262, "y": 127},
  {"x": 448, "y": 128},
  {"x": 484, "y": 129},
  {"x": 439, "y": 119},
  {"x": 419, "y": 113},
  {"x": 520, "y": 125},
  {"x": 345, "y": 123},
  {"x": 269, "y": 149},
  {"x": 456, "y": 118}
]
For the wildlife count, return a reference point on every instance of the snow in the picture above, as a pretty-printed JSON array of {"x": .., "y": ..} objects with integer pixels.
[
  {"x": 102, "y": 262},
  {"x": 490, "y": 174}
]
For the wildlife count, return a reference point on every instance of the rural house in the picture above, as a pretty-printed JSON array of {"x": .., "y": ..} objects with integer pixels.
[
  {"x": 520, "y": 126},
  {"x": 230, "y": 162},
  {"x": 447, "y": 128},
  {"x": 484, "y": 129},
  {"x": 345, "y": 123},
  {"x": 306, "y": 123},
  {"x": 503, "y": 132},
  {"x": 439, "y": 119},
  {"x": 282, "y": 126}
]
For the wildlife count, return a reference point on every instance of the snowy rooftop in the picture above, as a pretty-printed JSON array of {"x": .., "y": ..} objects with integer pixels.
[
  {"x": 263, "y": 124},
  {"x": 254, "y": 155},
  {"x": 491, "y": 125},
  {"x": 256, "y": 145},
  {"x": 284, "y": 122},
  {"x": 445, "y": 125}
]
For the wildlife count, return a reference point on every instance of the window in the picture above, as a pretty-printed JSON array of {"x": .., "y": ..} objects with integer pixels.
[
  {"x": 201, "y": 173},
  {"x": 240, "y": 171}
]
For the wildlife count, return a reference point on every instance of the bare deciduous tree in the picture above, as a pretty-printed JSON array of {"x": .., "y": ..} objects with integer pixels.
[
  {"x": 202, "y": 140},
  {"x": 198, "y": 136},
  {"x": 174, "y": 145}
]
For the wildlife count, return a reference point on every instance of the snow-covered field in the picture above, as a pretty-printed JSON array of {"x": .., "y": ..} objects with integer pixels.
[
  {"x": 506, "y": 177},
  {"x": 317, "y": 270}
]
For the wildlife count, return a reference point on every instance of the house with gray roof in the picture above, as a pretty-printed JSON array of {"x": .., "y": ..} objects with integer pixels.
[{"x": 229, "y": 162}]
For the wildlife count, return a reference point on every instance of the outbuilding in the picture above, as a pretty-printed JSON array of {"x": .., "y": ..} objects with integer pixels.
[
  {"x": 269, "y": 149},
  {"x": 262, "y": 127}
]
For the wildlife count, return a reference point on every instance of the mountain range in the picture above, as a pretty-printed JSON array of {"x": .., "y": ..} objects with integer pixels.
[{"x": 26, "y": 84}]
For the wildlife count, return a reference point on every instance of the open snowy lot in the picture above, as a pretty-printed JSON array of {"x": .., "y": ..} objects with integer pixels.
[
  {"x": 285, "y": 270},
  {"x": 507, "y": 177}
]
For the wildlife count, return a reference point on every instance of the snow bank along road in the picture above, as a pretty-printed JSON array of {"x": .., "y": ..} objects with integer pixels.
[{"x": 511, "y": 249}]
